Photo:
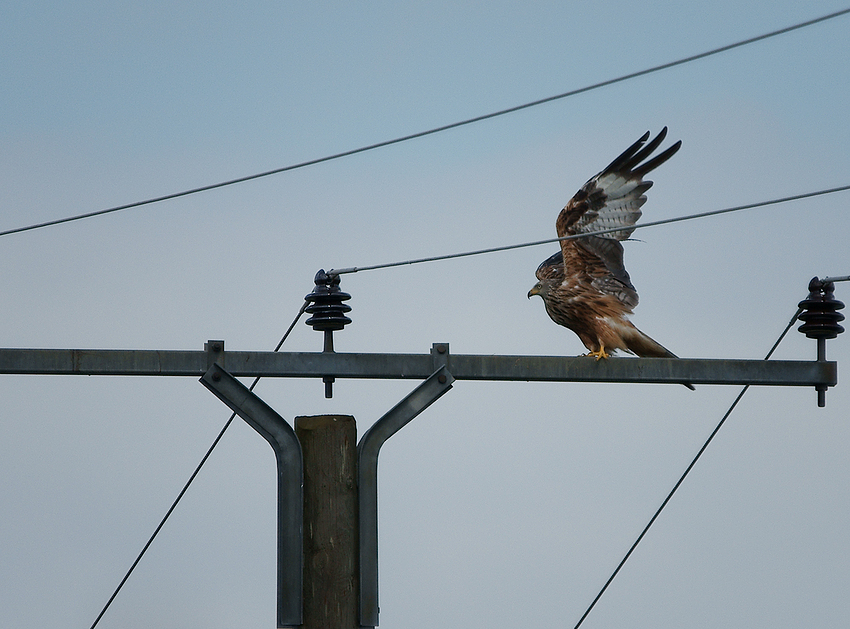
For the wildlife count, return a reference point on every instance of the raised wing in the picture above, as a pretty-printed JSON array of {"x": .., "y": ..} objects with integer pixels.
[
  {"x": 613, "y": 197},
  {"x": 610, "y": 200}
]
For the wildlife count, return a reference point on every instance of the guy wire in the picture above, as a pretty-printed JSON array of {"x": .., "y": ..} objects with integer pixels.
[
  {"x": 191, "y": 479},
  {"x": 684, "y": 475}
]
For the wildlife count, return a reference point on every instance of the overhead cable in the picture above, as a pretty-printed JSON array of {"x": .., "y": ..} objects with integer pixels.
[
  {"x": 534, "y": 243},
  {"x": 837, "y": 278},
  {"x": 420, "y": 134}
]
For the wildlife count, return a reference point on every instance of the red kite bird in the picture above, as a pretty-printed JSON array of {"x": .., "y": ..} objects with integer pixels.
[{"x": 585, "y": 286}]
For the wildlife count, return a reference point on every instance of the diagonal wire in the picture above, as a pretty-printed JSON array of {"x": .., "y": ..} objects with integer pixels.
[
  {"x": 684, "y": 475},
  {"x": 666, "y": 221},
  {"x": 447, "y": 127},
  {"x": 189, "y": 482}
]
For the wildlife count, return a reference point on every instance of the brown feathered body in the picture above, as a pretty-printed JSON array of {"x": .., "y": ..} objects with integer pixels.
[
  {"x": 598, "y": 318},
  {"x": 585, "y": 286}
]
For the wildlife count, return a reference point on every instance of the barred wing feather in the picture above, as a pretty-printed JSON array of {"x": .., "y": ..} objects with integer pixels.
[{"x": 610, "y": 200}]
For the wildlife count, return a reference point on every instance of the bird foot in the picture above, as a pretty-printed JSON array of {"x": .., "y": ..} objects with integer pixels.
[{"x": 600, "y": 353}]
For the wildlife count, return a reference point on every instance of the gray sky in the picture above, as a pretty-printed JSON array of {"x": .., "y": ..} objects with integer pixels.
[{"x": 503, "y": 503}]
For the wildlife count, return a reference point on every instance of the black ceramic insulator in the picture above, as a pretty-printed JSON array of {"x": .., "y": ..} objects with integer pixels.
[
  {"x": 326, "y": 307},
  {"x": 820, "y": 314}
]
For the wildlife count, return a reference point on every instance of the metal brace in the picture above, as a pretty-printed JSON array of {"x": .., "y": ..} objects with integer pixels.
[
  {"x": 367, "y": 478},
  {"x": 290, "y": 484}
]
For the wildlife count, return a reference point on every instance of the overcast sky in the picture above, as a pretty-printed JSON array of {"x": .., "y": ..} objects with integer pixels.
[{"x": 504, "y": 504}]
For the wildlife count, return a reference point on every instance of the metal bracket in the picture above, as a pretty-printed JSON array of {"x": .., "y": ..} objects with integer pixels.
[
  {"x": 290, "y": 484},
  {"x": 215, "y": 353},
  {"x": 367, "y": 479},
  {"x": 439, "y": 355}
]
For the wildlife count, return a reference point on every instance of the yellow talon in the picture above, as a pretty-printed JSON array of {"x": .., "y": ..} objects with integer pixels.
[{"x": 601, "y": 353}]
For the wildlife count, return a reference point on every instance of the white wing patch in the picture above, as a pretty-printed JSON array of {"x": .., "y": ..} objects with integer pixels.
[{"x": 623, "y": 200}]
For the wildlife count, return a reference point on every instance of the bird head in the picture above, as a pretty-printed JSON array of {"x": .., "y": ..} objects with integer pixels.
[
  {"x": 538, "y": 289},
  {"x": 550, "y": 273}
]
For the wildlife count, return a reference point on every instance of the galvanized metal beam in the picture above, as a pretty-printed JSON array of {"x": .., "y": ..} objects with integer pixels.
[
  {"x": 290, "y": 479},
  {"x": 367, "y": 482},
  {"x": 420, "y": 366}
]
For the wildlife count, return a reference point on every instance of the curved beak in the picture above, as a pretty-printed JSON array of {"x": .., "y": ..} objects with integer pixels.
[{"x": 534, "y": 291}]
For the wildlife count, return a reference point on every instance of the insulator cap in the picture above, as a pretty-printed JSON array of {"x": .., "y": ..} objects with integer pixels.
[
  {"x": 820, "y": 317},
  {"x": 326, "y": 304}
]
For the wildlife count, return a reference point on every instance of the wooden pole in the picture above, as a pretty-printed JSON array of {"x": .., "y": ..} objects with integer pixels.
[{"x": 329, "y": 447}]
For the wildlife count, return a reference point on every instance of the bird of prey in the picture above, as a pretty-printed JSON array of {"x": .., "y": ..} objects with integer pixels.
[{"x": 585, "y": 286}]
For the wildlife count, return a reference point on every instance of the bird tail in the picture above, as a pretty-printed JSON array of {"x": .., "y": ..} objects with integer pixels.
[{"x": 646, "y": 347}]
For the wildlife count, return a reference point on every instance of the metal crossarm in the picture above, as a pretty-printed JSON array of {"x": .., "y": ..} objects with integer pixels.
[{"x": 111, "y": 362}]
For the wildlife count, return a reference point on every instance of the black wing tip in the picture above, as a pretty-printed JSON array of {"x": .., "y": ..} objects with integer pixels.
[
  {"x": 629, "y": 161},
  {"x": 659, "y": 159},
  {"x": 626, "y": 156}
]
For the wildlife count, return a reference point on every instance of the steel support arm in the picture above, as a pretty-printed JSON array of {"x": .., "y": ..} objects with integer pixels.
[
  {"x": 290, "y": 482},
  {"x": 420, "y": 366},
  {"x": 367, "y": 480}
]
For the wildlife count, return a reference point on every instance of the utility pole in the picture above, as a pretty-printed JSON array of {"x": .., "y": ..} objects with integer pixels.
[
  {"x": 329, "y": 447},
  {"x": 327, "y": 480}
]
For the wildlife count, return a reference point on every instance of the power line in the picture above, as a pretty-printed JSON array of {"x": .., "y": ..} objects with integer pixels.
[
  {"x": 677, "y": 219},
  {"x": 838, "y": 278},
  {"x": 683, "y": 476},
  {"x": 191, "y": 479},
  {"x": 447, "y": 127}
]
